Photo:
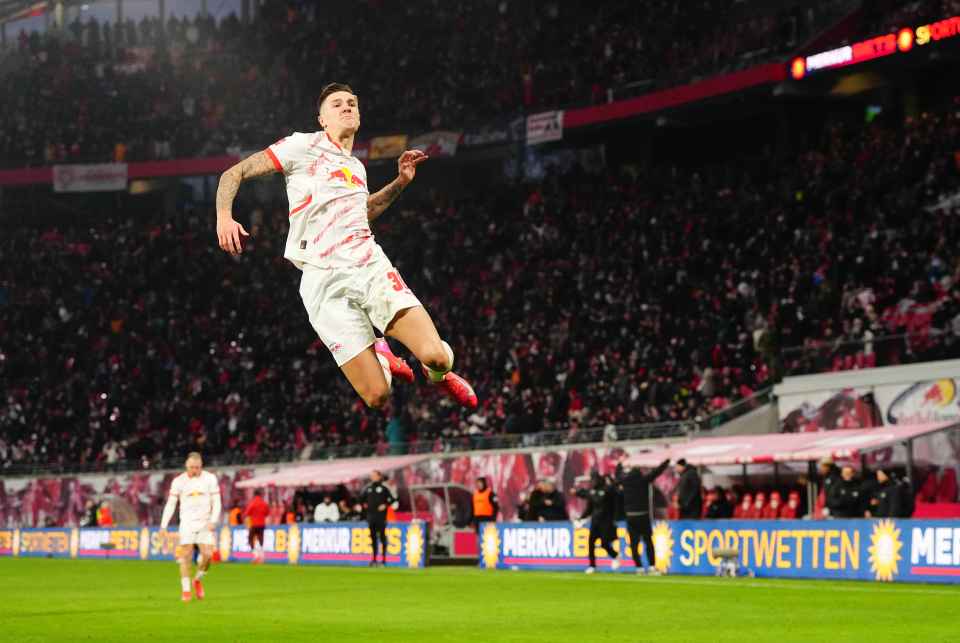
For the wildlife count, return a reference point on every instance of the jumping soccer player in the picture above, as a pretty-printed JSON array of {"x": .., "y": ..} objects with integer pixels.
[
  {"x": 348, "y": 286},
  {"x": 199, "y": 496}
]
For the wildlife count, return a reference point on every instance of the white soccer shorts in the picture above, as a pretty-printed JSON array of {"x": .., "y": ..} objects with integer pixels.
[
  {"x": 192, "y": 536},
  {"x": 345, "y": 305}
]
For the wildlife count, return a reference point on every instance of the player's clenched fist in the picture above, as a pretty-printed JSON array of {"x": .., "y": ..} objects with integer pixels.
[{"x": 231, "y": 235}]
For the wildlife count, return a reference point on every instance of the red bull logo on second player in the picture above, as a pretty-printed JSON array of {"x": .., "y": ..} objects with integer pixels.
[{"x": 344, "y": 174}]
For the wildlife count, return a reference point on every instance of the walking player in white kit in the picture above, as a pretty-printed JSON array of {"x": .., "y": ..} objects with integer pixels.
[
  {"x": 348, "y": 285},
  {"x": 199, "y": 496}
]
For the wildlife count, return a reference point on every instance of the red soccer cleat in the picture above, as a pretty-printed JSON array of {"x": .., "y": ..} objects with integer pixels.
[
  {"x": 186, "y": 597},
  {"x": 457, "y": 388},
  {"x": 197, "y": 589},
  {"x": 398, "y": 366}
]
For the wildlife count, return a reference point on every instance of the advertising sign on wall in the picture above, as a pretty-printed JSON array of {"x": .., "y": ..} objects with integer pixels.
[{"x": 874, "y": 550}]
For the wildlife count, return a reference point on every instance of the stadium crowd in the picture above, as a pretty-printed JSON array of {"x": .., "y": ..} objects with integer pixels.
[
  {"x": 887, "y": 16},
  {"x": 633, "y": 295},
  {"x": 193, "y": 87}
]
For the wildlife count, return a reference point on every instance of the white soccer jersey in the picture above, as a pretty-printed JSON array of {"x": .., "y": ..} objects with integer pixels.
[
  {"x": 327, "y": 190},
  {"x": 198, "y": 497}
]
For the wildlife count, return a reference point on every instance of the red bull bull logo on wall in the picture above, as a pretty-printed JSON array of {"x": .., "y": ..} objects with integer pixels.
[{"x": 928, "y": 401}]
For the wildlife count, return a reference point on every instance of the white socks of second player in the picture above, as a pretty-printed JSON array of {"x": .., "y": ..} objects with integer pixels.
[{"x": 185, "y": 583}]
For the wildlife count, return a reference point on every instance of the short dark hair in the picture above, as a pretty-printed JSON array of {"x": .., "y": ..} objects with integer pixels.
[
  {"x": 331, "y": 88},
  {"x": 682, "y": 462}
]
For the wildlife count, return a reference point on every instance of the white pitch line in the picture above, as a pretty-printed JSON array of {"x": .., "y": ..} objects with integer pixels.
[{"x": 802, "y": 584}]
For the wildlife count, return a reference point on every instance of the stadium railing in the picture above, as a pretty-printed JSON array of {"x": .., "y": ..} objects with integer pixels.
[
  {"x": 598, "y": 434},
  {"x": 841, "y": 354}
]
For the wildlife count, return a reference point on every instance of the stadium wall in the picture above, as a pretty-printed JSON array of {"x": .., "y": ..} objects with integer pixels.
[
  {"x": 870, "y": 550},
  {"x": 912, "y": 394},
  {"x": 926, "y": 551},
  {"x": 343, "y": 543},
  {"x": 61, "y": 500}
]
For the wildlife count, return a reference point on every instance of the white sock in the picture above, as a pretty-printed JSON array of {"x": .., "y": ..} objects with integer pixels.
[
  {"x": 200, "y": 574},
  {"x": 185, "y": 583},
  {"x": 386, "y": 368},
  {"x": 437, "y": 376}
]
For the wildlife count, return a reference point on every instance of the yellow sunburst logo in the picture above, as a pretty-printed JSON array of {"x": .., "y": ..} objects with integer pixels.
[
  {"x": 663, "y": 545},
  {"x": 293, "y": 544},
  {"x": 226, "y": 543},
  {"x": 490, "y": 545},
  {"x": 884, "y": 550},
  {"x": 415, "y": 545}
]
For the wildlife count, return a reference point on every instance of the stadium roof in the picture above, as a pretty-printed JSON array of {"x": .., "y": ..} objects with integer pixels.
[
  {"x": 318, "y": 474},
  {"x": 787, "y": 447}
]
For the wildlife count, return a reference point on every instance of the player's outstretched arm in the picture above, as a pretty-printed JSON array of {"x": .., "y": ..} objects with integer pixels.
[
  {"x": 406, "y": 171},
  {"x": 228, "y": 230}
]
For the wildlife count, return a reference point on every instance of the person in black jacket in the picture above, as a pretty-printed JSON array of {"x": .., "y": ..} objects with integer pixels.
[
  {"x": 600, "y": 508},
  {"x": 843, "y": 496},
  {"x": 376, "y": 498},
  {"x": 718, "y": 506},
  {"x": 892, "y": 497},
  {"x": 829, "y": 474},
  {"x": 636, "y": 506},
  {"x": 688, "y": 491},
  {"x": 546, "y": 503}
]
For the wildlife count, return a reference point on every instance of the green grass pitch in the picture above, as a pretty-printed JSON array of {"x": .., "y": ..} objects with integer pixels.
[{"x": 75, "y": 600}]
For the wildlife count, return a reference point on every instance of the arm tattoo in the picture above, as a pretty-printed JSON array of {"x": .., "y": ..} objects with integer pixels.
[
  {"x": 254, "y": 165},
  {"x": 380, "y": 201}
]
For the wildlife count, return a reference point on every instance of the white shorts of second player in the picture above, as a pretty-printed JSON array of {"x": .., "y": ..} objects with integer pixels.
[
  {"x": 193, "y": 535},
  {"x": 345, "y": 305}
]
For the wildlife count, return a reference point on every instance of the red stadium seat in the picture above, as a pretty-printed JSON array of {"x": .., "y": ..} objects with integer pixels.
[
  {"x": 928, "y": 491},
  {"x": 947, "y": 489},
  {"x": 791, "y": 509},
  {"x": 772, "y": 510},
  {"x": 756, "y": 510},
  {"x": 821, "y": 504},
  {"x": 746, "y": 504},
  {"x": 673, "y": 511}
]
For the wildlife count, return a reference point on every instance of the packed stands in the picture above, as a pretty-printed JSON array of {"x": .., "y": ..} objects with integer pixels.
[
  {"x": 150, "y": 342},
  {"x": 193, "y": 87}
]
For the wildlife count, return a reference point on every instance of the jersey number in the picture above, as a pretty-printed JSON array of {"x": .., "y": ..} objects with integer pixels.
[{"x": 397, "y": 280}]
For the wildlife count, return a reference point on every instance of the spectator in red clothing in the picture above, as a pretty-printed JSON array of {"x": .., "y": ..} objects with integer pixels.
[
  {"x": 744, "y": 508},
  {"x": 104, "y": 515},
  {"x": 791, "y": 509},
  {"x": 773, "y": 508},
  {"x": 756, "y": 510},
  {"x": 256, "y": 513}
]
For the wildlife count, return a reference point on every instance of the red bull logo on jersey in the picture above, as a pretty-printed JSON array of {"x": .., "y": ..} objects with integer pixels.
[{"x": 344, "y": 174}]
